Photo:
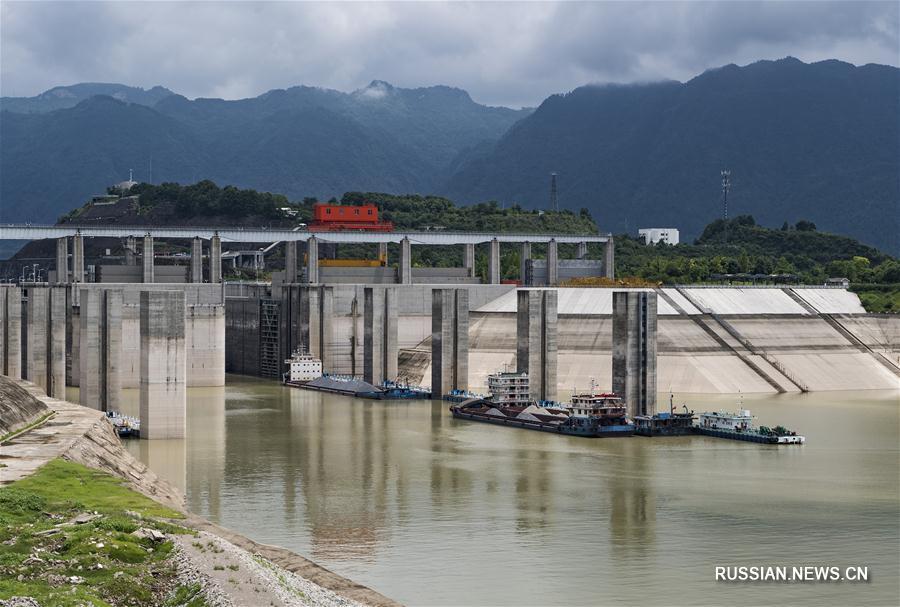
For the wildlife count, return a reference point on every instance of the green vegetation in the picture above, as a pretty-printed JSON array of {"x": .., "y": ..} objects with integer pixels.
[
  {"x": 70, "y": 535},
  {"x": 206, "y": 199},
  {"x": 884, "y": 299},
  {"x": 799, "y": 254},
  {"x": 414, "y": 212}
]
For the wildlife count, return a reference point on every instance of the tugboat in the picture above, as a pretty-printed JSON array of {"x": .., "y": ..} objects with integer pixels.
[
  {"x": 589, "y": 415},
  {"x": 666, "y": 423},
  {"x": 738, "y": 426}
]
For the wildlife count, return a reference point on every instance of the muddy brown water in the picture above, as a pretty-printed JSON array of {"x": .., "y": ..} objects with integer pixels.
[{"x": 435, "y": 511}]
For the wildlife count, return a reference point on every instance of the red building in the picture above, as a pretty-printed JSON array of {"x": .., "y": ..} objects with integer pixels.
[{"x": 336, "y": 217}]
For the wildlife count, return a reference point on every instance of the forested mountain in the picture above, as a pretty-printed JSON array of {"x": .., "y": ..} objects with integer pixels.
[
  {"x": 60, "y": 97},
  {"x": 815, "y": 141},
  {"x": 301, "y": 141},
  {"x": 803, "y": 141}
]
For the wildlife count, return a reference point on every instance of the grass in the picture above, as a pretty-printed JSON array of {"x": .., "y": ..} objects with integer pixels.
[
  {"x": 879, "y": 299},
  {"x": 34, "y": 424},
  {"x": 98, "y": 562}
]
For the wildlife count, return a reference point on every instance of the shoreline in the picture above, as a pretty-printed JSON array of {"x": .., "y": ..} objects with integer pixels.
[{"x": 84, "y": 436}]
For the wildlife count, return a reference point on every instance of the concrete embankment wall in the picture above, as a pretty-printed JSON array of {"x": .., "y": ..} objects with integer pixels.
[
  {"x": 18, "y": 407},
  {"x": 711, "y": 340}
]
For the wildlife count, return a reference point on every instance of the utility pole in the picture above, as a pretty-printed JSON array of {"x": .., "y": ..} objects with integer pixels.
[
  {"x": 726, "y": 185},
  {"x": 554, "y": 201}
]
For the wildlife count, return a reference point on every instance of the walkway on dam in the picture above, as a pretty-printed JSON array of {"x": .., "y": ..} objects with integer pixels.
[{"x": 56, "y": 435}]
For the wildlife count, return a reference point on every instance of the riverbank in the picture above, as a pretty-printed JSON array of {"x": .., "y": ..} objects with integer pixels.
[{"x": 184, "y": 559}]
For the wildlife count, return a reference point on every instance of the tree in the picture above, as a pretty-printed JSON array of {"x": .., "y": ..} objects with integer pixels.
[{"x": 805, "y": 226}]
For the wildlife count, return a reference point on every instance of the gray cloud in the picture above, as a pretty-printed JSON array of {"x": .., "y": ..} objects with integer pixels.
[{"x": 502, "y": 53}]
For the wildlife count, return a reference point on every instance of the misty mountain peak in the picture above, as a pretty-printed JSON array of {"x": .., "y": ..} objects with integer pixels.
[{"x": 376, "y": 90}]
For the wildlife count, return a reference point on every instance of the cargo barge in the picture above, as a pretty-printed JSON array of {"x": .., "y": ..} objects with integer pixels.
[
  {"x": 589, "y": 415},
  {"x": 668, "y": 423},
  {"x": 305, "y": 371},
  {"x": 738, "y": 426}
]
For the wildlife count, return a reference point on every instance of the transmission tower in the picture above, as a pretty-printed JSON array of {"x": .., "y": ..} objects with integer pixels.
[
  {"x": 726, "y": 185},
  {"x": 554, "y": 201}
]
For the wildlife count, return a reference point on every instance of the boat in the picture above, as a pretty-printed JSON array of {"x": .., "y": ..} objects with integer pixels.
[
  {"x": 396, "y": 390},
  {"x": 739, "y": 426},
  {"x": 459, "y": 396},
  {"x": 124, "y": 425},
  {"x": 589, "y": 415},
  {"x": 303, "y": 367},
  {"x": 666, "y": 423}
]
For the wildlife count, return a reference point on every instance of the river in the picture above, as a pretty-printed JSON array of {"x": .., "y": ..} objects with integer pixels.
[{"x": 434, "y": 511}]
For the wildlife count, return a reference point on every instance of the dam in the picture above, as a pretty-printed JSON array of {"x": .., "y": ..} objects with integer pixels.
[{"x": 712, "y": 340}]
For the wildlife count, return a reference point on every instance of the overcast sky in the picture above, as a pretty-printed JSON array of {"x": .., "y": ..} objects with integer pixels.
[{"x": 502, "y": 53}]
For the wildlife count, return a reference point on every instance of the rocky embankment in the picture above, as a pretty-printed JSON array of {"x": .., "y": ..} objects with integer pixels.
[{"x": 204, "y": 564}]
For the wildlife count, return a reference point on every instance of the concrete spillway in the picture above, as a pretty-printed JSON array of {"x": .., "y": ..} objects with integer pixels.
[{"x": 710, "y": 341}]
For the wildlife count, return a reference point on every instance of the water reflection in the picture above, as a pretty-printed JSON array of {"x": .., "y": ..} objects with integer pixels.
[{"x": 395, "y": 495}]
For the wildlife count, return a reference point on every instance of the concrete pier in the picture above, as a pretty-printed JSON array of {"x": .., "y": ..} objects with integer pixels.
[
  {"x": 609, "y": 258},
  {"x": 78, "y": 258},
  {"x": 62, "y": 260},
  {"x": 196, "y": 260},
  {"x": 90, "y": 348},
  {"x": 536, "y": 340},
  {"x": 312, "y": 260},
  {"x": 634, "y": 350},
  {"x": 130, "y": 251},
  {"x": 100, "y": 349},
  {"x": 582, "y": 251},
  {"x": 321, "y": 313},
  {"x": 380, "y": 353},
  {"x": 493, "y": 276},
  {"x": 449, "y": 341},
  {"x": 147, "y": 274},
  {"x": 215, "y": 259},
  {"x": 112, "y": 334},
  {"x": 12, "y": 332},
  {"x": 552, "y": 264},
  {"x": 36, "y": 348},
  {"x": 383, "y": 252},
  {"x": 524, "y": 256},
  {"x": 469, "y": 258},
  {"x": 56, "y": 343},
  {"x": 163, "y": 394},
  {"x": 404, "y": 264},
  {"x": 290, "y": 261}
]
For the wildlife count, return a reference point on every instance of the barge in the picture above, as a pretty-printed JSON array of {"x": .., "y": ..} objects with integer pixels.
[
  {"x": 668, "y": 423},
  {"x": 738, "y": 426},
  {"x": 589, "y": 415}
]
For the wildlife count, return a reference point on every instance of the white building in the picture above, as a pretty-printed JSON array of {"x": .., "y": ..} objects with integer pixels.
[{"x": 654, "y": 235}]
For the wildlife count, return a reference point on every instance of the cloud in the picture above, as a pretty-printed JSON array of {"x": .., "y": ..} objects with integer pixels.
[{"x": 502, "y": 53}]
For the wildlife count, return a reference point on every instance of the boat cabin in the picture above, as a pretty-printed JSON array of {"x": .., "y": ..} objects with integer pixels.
[{"x": 727, "y": 421}]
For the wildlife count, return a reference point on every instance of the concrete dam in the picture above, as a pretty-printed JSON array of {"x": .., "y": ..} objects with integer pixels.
[{"x": 711, "y": 340}]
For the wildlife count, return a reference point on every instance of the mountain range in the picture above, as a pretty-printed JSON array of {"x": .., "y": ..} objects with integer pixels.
[{"x": 802, "y": 141}]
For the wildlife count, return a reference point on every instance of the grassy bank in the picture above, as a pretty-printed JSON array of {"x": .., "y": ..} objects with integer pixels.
[{"x": 70, "y": 535}]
